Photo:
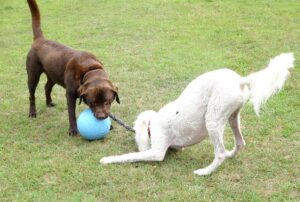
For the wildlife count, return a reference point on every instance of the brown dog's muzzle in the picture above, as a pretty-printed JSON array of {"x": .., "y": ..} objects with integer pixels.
[{"x": 100, "y": 114}]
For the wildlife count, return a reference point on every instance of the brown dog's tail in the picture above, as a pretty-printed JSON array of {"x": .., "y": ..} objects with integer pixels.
[{"x": 36, "y": 19}]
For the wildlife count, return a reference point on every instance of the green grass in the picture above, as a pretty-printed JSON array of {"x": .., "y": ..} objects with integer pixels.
[{"x": 151, "y": 50}]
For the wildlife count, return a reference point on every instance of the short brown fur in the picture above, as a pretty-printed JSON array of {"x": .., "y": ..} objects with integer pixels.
[{"x": 79, "y": 72}]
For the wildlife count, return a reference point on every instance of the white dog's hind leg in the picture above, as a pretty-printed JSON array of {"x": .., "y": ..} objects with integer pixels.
[
  {"x": 234, "y": 122},
  {"x": 216, "y": 117},
  {"x": 216, "y": 134}
]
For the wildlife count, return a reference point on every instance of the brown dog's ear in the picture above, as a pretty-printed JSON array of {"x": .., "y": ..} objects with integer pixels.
[
  {"x": 81, "y": 92},
  {"x": 115, "y": 89},
  {"x": 117, "y": 98},
  {"x": 80, "y": 100}
]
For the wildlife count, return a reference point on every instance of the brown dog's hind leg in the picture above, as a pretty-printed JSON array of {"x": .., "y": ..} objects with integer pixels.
[
  {"x": 48, "y": 89},
  {"x": 34, "y": 71}
]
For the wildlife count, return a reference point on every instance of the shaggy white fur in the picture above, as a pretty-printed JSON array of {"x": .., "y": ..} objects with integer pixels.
[{"x": 202, "y": 110}]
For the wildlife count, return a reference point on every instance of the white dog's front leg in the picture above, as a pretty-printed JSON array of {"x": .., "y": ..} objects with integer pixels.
[{"x": 149, "y": 155}]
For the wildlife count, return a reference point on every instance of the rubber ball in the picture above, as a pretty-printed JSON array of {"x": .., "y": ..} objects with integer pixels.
[{"x": 92, "y": 128}]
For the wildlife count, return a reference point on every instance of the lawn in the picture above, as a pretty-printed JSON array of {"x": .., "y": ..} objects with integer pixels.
[{"x": 151, "y": 50}]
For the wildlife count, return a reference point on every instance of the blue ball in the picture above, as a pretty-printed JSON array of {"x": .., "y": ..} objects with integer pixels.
[{"x": 92, "y": 128}]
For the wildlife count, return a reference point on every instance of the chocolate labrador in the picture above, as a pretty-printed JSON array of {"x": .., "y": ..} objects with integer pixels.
[{"x": 79, "y": 72}]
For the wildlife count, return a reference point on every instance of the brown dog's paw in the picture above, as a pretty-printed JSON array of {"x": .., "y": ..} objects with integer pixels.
[
  {"x": 73, "y": 132},
  {"x": 50, "y": 104},
  {"x": 32, "y": 115}
]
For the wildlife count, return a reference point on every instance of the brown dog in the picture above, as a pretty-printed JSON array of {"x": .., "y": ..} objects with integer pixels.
[{"x": 79, "y": 72}]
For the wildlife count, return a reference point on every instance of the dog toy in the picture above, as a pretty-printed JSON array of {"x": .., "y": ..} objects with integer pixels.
[
  {"x": 92, "y": 128},
  {"x": 122, "y": 123}
]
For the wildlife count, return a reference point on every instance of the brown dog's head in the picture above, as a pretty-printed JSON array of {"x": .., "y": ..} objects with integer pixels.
[{"x": 98, "y": 94}]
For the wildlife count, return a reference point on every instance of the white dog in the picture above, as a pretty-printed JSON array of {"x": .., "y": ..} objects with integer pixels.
[{"x": 202, "y": 110}]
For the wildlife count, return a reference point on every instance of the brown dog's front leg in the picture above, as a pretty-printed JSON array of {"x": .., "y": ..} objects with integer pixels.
[{"x": 71, "y": 101}]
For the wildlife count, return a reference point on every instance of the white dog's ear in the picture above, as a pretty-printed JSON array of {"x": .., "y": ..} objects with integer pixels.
[
  {"x": 143, "y": 119},
  {"x": 142, "y": 138},
  {"x": 141, "y": 126}
]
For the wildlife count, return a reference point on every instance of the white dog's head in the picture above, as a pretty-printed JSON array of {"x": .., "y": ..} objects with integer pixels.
[{"x": 141, "y": 126}]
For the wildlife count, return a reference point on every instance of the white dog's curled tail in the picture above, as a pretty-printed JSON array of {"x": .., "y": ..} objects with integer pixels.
[{"x": 270, "y": 80}]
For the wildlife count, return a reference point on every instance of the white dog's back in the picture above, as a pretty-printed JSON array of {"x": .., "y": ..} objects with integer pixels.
[
  {"x": 185, "y": 118},
  {"x": 221, "y": 89}
]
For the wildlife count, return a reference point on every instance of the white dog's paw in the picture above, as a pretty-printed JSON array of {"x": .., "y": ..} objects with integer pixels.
[
  {"x": 202, "y": 172},
  {"x": 230, "y": 154},
  {"x": 106, "y": 160}
]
